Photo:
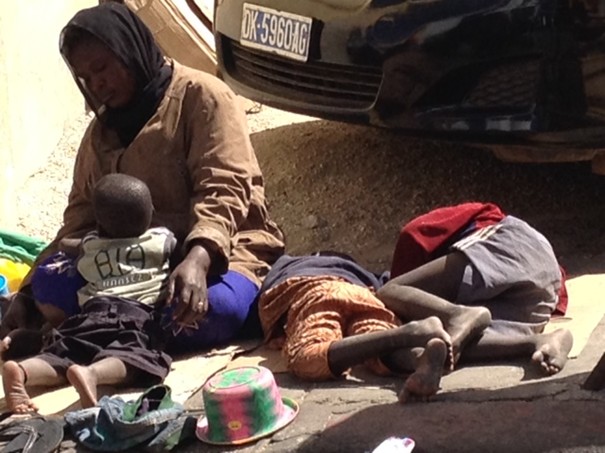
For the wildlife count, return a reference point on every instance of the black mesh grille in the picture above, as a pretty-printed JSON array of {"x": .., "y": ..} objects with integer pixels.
[
  {"x": 344, "y": 86},
  {"x": 511, "y": 85}
]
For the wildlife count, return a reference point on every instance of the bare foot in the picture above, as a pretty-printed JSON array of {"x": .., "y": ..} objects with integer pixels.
[
  {"x": 85, "y": 383},
  {"x": 13, "y": 380},
  {"x": 552, "y": 350},
  {"x": 424, "y": 382},
  {"x": 466, "y": 324},
  {"x": 418, "y": 333}
]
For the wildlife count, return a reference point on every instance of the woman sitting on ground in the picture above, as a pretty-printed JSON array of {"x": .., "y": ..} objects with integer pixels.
[{"x": 184, "y": 133}]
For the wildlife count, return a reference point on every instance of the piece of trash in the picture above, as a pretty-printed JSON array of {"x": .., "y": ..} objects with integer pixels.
[
  {"x": 256, "y": 108},
  {"x": 395, "y": 445}
]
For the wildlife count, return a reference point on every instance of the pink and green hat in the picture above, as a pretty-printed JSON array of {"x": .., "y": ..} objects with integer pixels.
[{"x": 242, "y": 405}]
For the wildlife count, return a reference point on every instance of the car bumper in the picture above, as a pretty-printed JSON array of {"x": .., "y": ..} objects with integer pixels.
[{"x": 478, "y": 69}]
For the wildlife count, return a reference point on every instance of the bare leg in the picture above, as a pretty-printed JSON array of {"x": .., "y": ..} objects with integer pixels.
[
  {"x": 34, "y": 372},
  {"x": 548, "y": 350},
  {"x": 428, "y": 290},
  {"x": 354, "y": 350},
  {"x": 403, "y": 361},
  {"x": 86, "y": 379}
]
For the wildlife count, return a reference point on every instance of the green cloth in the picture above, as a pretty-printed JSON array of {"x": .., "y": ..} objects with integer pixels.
[{"x": 19, "y": 247}]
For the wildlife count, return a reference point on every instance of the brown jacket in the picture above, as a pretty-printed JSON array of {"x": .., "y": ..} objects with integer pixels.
[{"x": 196, "y": 157}]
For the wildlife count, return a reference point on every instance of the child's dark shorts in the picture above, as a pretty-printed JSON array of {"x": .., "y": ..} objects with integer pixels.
[
  {"x": 513, "y": 272},
  {"x": 111, "y": 327}
]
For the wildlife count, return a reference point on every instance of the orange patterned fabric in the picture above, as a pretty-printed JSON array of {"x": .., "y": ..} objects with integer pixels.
[{"x": 319, "y": 310}]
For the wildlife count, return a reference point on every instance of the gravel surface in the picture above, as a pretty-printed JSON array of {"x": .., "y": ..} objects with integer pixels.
[{"x": 43, "y": 196}]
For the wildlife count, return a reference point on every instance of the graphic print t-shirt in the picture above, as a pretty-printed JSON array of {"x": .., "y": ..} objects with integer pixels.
[{"x": 136, "y": 268}]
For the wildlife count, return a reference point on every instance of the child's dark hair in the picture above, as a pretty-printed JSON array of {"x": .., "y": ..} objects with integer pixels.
[{"x": 122, "y": 206}]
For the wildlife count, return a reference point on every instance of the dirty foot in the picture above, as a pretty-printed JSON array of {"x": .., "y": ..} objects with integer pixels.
[
  {"x": 418, "y": 333},
  {"x": 13, "y": 380},
  {"x": 85, "y": 383},
  {"x": 424, "y": 382},
  {"x": 466, "y": 324},
  {"x": 552, "y": 350}
]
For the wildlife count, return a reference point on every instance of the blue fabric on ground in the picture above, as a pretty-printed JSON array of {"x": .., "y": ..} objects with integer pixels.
[
  {"x": 56, "y": 281},
  {"x": 105, "y": 428},
  {"x": 231, "y": 302}
]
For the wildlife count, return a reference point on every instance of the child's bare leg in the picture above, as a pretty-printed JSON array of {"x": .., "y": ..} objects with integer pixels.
[
  {"x": 548, "y": 350},
  {"x": 428, "y": 290},
  {"x": 108, "y": 371},
  {"x": 34, "y": 372},
  {"x": 354, "y": 350}
]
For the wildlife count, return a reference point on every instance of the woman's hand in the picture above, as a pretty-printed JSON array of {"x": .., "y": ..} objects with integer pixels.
[
  {"x": 187, "y": 287},
  {"x": 5, "y": 344}
]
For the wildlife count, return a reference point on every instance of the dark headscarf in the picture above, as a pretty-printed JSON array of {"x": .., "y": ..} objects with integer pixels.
[{"x": 132, "y": 42}]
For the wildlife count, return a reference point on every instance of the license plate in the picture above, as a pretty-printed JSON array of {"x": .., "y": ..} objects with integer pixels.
[{"x": 275, "y": 31}]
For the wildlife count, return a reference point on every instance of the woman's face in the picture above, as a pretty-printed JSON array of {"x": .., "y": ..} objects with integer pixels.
[{"x": 103, "y": 74}]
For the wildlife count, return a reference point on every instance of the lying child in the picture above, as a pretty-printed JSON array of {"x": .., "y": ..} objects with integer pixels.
[
  {"x": 323, "y": 313},
  {"x": 480, "y": 263},
  {"x": 116, "y": 338}
]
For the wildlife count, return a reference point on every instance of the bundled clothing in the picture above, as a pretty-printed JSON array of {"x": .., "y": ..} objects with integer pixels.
[
  {"x": 152, "y": 422},
  {"x": 308, "y": 302},
  {"x": 513, "y": 270}
]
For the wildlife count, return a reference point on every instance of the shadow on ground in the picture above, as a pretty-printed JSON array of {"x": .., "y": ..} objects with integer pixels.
[
  {"x": 494, "y": 426},
  {"x": 349, "y": 188}
]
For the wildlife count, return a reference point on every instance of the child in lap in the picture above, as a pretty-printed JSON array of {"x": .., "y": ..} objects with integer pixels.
[{"x": 116, "y": 337}]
